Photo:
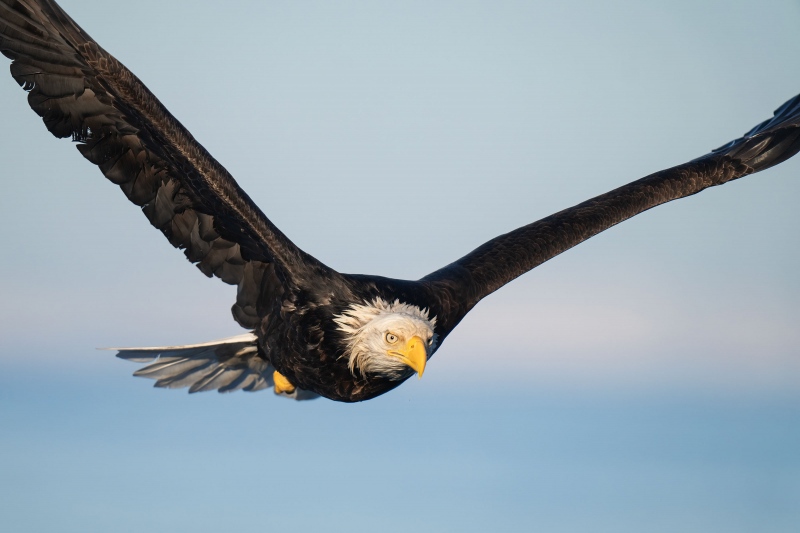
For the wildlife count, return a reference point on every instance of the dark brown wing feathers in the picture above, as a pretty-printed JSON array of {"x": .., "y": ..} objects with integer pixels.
[
  {"x": 80, "y": 91},
  {"x": 508, "y": 256}
]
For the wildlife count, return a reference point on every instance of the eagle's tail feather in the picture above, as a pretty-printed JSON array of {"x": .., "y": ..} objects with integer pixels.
[{"x": 225, "y": 365}]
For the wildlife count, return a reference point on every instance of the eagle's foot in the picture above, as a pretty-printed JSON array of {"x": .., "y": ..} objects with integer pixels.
[{"x": 281, "y": 383}]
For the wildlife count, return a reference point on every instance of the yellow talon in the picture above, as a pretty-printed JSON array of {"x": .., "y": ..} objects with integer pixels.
[{"x": 281, "y": 383}]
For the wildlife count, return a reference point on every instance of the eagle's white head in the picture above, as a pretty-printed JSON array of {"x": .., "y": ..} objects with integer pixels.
[{"x": 387, "y": 339}]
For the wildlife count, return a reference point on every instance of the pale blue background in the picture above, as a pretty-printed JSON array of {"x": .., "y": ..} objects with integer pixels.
[{"x": 648, "y": 380}]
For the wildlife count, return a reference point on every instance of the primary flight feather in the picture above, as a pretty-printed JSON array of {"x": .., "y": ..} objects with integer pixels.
[{"x": 314, "y": 331}]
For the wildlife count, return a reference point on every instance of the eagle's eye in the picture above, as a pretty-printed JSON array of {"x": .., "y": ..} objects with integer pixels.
[{"x": 391, "y": 338}]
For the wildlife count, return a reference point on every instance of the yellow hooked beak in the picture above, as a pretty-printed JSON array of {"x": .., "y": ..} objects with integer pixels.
[{"x": 414, "y": 354}]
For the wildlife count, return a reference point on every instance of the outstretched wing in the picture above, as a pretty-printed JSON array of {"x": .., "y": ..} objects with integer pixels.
[
  {"x": 82, "y": 92},
  {"x": 224, "y": 365},
  {"x": 508, "y": 256}
]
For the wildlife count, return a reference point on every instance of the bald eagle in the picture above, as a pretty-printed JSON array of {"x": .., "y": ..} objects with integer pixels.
[{"x": 312, "y": 331}]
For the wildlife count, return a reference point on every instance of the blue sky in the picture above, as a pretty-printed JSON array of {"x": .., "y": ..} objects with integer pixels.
[{"x": 647, "y": 378}]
